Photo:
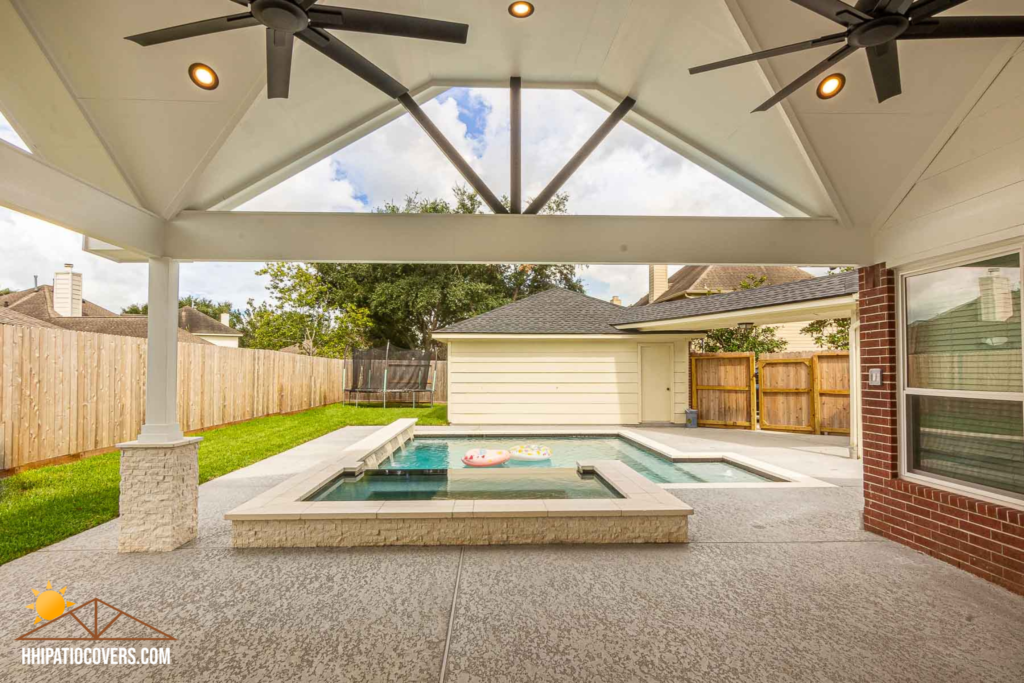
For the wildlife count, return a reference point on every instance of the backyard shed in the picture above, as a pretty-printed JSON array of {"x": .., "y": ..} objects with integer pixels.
[{"x": 555, "y": 358}]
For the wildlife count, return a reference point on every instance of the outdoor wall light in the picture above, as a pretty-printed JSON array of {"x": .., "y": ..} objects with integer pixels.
[
  {"x": 203, "y": 76},
  {"x": 520, "y": 10},
  {"x": 831, "y": 86}
]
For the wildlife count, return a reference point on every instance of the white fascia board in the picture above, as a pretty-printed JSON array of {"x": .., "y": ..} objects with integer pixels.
[
  {"x": 467, "y": 336},
  {"x": 835, "y": 307},
  {"x": 32, "y": 186},
  {"x": 488, "y": 238}
]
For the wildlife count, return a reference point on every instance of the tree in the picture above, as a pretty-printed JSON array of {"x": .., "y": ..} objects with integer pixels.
[
  {"x": 831, "y": 333},
  {"x": 5, "y": 291},
  {"x": 758, "y": 339},
  {"x": 408, "y": 302},
  {"x": 304, "y": 315}
]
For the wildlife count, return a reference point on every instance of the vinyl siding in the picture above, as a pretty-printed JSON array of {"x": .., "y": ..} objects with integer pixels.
[
  {"x": 585, "y": 382},
  {"x": 795, "y": 341}
]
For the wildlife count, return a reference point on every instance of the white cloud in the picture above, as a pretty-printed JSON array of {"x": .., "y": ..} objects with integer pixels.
[
  {"x": 8, "y": 134},
  {"x": 33, "y": 247}
]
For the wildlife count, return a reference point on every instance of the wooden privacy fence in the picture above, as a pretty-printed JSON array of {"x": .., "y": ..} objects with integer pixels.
[
  {"x": 793, "y": 392},
  {"x": 805, "y": 392},
  {"x": 723, "y": 390},
  {"x": 64, "y": 393}
]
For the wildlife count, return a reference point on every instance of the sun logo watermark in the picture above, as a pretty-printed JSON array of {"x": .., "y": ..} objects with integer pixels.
[
  {"x": 50, "y": 603},
  {"x": 93, "y": 620}
]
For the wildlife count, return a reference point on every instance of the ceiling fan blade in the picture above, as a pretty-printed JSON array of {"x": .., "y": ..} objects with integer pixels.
[
  {"x": 965, "y": 27},
  {"x": 837, "y": 11},
  {"x": 818, "y": 69},
  {"x": 351, "y": 60},
  {"x": 774, "y": 52},
  {"x": 279, "y": 63},
  {"x": 878, "y": 7},
  {"x": 366, "y": 21},
  {"x": 196, "y": 28},
  {"x": 922, "y": 9},
  {"x": 884, "y": 61}
]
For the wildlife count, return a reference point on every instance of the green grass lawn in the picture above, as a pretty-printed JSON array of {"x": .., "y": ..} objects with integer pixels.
[{"x": 45, "y": 505}]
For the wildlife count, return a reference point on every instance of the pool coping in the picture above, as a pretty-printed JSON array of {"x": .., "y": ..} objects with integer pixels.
[
  {"x": 286, "y": 501},
  {"x": 779, "y": 476}
]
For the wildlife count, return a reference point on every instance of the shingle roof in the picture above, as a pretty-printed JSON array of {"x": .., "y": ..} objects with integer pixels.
[
  {"x": 120, "y": 325},
  {"x": 198, "y": 322},
  {"x": 9, "y": 316},
  {"x": 699, "y": 280},
  {"x": 35, "y": 307},
  {"x": 559, "y": 311},
  {"x": 825, "y": 287},
  {"x": 38, "y": 303},
  {"x": 553, "y": 311}
]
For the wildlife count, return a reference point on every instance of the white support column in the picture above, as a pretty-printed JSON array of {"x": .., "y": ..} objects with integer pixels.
[
  {"x": 160, "y": 471},
  {"x": 162, "y": 355}
]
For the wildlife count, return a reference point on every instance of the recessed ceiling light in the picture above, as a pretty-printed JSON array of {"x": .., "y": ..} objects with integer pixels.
[
  {"x": 203, "y": 76},
  {"x": 831, "y": 86},
  {"x": 520, "y": 10}
]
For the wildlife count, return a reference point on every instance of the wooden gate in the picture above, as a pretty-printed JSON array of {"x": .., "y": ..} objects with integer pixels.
[
  {"x": 805, "y": 392},
  {"x": 786, "y": 387},
  {"x": 832, "y": 389},
  {"x": 723, "y": 389}
]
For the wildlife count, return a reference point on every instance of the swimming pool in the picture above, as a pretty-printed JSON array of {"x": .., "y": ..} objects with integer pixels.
[
  {"x": 425, "y": 452},
  {"x": 526, "y": 484}
]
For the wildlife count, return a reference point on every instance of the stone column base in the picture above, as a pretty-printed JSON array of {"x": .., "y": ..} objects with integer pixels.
[{"x": 159, "y": 495}]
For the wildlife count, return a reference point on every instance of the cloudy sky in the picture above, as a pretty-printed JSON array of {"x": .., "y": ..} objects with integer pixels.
[{"x": 629, "y": 174}]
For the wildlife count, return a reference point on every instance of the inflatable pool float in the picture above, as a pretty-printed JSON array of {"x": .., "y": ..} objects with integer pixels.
[
  {"x": 479, "y": 457},
  {"x": 531, "y": 453}
]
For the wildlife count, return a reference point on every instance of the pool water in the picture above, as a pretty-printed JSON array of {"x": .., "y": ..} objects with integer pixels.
[
  {"x": 447, "y": 452},
  {"x": 383, "y": 485}
]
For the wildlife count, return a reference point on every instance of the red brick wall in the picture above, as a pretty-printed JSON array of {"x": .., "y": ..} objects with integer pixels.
[{"x": 979, "y": 537}]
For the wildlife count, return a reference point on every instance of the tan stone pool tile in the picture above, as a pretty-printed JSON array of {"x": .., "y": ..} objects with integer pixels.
[
  {"x": 422, "y": 509},
  {"x": 582, "y": 508},
  {"x": 637, "y": 508},
  {"x": 463, "y": 508},
  {"x": 510, "y": 508},
  {"x": 341, "y": 510},
  {"x": 282, "y": 511}
]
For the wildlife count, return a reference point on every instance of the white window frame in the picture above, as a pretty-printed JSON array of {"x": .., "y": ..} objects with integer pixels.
[{"x": 903, "y": 391}]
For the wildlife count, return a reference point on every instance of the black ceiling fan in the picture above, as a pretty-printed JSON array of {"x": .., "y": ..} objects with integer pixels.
[
  {"x": 287, "y": 19},
  {"x": 876, "y": 25}
]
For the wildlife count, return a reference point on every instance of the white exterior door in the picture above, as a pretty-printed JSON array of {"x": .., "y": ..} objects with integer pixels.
[{"x": 656, "y": 382}]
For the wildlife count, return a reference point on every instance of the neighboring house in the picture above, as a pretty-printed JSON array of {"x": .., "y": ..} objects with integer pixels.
[
  {"x": 559, "y": 357},
  {"x": 219, "y": 333},
  {"x": 62, "y": 306},
  {"x": 696, "y": 281}
]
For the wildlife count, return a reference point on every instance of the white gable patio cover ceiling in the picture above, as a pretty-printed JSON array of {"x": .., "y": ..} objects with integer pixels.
[{"x": 127, "y": 151}]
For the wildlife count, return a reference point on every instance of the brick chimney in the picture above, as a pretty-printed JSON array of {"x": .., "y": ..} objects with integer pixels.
[
  {"x": 657, "y": 282},
  {"x": 67, "y": 292},
  {"x": 617, "y": 301}
]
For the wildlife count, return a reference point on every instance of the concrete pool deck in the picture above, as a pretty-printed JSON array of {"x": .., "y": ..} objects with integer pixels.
[{"x": 776, "y": 584}]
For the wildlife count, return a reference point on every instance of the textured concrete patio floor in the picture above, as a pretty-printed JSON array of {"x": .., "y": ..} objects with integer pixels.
[{"x": 776, "y": 586}]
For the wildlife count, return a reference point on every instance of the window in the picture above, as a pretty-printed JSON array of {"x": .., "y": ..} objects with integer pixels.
[{"x": 964, "y": 385}]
